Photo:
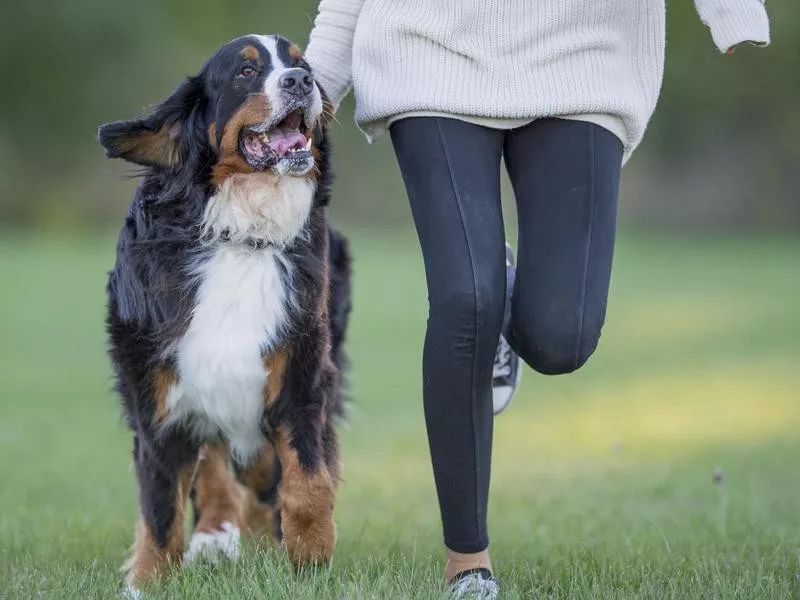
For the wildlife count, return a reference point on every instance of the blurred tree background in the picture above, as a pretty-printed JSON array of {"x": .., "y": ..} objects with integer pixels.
[{"x": 722, "y": 152}]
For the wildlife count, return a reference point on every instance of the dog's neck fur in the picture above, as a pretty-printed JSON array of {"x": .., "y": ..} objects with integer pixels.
[{"x": 259, "y": 208}]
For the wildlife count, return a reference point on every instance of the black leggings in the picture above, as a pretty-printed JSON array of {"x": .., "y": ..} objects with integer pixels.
[{"x": 565, "y": 176}]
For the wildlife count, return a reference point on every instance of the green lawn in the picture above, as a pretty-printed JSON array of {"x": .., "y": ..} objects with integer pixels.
[{"x": 603, "y": 480}]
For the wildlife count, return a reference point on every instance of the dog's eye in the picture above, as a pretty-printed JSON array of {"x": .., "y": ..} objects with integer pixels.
[{"x": 246, "y": 71}]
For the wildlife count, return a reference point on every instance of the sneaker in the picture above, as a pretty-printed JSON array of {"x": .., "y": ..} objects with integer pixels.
[
  {"x": 506, "y": 373},
  {"x": 474, "y": 584}
]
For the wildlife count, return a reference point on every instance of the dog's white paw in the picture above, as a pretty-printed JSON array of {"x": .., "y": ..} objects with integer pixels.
[
  {"x": 213, "y": 545},
  {"x": 131, "y": 593}
]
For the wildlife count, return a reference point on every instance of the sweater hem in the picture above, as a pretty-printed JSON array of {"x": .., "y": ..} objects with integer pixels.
[{"x": 612, "y": 123}]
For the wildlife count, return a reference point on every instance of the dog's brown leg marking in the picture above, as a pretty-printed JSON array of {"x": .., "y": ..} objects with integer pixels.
[
  {"x": 260, "y": 518},
  {"x": 256, "y": 475},
  {"x": 164, "y": 380},
  {"x": 275, "y": 364},
  {"x": 306, "y": 506},
  {"x": 218, "y": 497},
  {"x": 147, "y": 558}
]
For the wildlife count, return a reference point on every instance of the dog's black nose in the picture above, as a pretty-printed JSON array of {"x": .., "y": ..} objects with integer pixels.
[{"x": 296, "y": 81}]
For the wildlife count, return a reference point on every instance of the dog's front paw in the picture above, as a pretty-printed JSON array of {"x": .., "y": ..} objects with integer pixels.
[
  {"x": 309, "y": 542},
  {"x": 130, "y": 592},
  {"x": 213, "y": 545},
  {"x": 306, "y": 499}
]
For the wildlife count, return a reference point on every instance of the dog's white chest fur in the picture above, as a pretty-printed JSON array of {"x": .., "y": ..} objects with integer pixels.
[
  {"x": 261, "y": 206},
  {"x": 240, "y": 310},
  {"x": 240, "y": 313}
]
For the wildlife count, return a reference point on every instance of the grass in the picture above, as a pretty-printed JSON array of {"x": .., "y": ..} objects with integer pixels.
[{"x": 602, "y": 483}]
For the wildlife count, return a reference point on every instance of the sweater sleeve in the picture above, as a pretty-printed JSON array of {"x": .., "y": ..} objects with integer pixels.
[
  {"x": 733, "y": 22},
  {"x": 330, "y": 46}
]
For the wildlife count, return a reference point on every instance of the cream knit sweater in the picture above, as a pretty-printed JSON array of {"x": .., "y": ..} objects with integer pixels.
[{"x": 506, "y": 62}]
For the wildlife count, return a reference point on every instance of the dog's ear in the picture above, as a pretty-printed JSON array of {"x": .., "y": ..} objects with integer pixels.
[
  {"x": 328, "y": 112},
  {"x": 155, "y": 140}
]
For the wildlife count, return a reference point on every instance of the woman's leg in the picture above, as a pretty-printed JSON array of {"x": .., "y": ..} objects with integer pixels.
[
  {"x": 565, "y": 176},
  {"x": 451, "y": 170}
]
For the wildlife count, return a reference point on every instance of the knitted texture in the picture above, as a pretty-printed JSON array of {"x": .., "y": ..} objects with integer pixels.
[{"x": 508, "y": 59}]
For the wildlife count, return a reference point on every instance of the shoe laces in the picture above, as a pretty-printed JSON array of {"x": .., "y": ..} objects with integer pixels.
[
  {"x": 475, "y": 587},
  {"x": 502, "y": 359}
]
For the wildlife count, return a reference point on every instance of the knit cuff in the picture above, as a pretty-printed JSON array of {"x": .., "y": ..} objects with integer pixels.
[{"x": 733, "y": 22}]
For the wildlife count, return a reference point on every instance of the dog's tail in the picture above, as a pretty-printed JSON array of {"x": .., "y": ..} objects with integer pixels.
[{"x": 339, "y": 305}]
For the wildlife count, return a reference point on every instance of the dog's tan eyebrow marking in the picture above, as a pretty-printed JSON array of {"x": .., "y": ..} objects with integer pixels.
[
  {"x": 295, "y": 52},
  {"x": 250, "y": 53}
]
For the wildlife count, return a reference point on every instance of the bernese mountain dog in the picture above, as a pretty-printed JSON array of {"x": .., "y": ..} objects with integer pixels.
[{"x": 227, "y": 311}]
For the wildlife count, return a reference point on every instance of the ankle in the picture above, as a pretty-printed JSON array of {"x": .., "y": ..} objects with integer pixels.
[{"x": 458, "y": 562}]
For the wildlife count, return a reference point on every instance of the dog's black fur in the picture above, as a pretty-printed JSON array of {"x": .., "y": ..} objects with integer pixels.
[{"x": 153, "y": 291}]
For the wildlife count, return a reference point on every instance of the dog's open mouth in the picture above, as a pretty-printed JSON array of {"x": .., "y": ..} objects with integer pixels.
[{"x": 285, "y": 144}]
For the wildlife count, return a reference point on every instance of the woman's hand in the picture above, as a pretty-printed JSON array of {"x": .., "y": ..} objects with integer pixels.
[{"x": 732, "y": 49}]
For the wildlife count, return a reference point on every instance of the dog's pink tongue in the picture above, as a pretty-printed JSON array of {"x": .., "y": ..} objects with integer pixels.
[{"x": 282, "y": 141}]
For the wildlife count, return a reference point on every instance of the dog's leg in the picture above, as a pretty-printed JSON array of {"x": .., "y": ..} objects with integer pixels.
[
  {"x": 330, "y": 447},
  {"x": 218, "y": 502},
  {"x": 164, "y": 478},
  {"x": 307, "y": 493},
  {"x": 260, "y": 481}
]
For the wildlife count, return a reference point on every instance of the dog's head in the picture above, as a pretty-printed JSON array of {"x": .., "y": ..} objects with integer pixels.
[{"x": 254, "y": 107}]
